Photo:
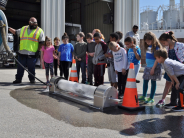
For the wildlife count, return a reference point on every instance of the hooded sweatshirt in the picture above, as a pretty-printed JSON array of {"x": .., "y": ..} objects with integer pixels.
[{"x": 99, "y": 57}]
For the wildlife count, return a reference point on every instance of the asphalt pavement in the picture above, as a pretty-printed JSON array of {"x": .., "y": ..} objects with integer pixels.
[{"x": 27, "y": 112}]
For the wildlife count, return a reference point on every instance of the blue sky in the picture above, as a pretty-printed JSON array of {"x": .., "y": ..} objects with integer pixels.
[{"x": 155, "y": 2}]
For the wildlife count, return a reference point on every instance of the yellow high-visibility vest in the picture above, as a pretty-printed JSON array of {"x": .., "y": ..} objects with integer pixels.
[{"x": 29, "y": 42}]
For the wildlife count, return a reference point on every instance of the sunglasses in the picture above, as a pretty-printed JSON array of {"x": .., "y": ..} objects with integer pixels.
[{"x": 33, "y": 22}]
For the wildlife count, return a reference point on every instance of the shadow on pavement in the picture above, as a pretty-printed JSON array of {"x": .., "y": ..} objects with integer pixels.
[
  {"x": 174, "y": 124},
  {"x": 20, "y": 84}
]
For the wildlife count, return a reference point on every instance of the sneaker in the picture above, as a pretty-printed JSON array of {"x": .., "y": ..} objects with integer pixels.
[
  {"x": 178, "y": 109},
  {"x": 32, "y": 81},
  {"x": 137, "y": 81},
  {"x": 169, "y": 106},
  {"x": 120, "y": 97},
  {"x": 17, "y": 81},
  {"x": 149, "y": 101},
  {"x": 142, "y": 98},
  {"x": 47, "y": 82},
  {"x": 161, "y": 103}
]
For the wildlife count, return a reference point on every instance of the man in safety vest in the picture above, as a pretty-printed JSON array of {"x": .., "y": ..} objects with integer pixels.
[{"x": 31, "y": 39}]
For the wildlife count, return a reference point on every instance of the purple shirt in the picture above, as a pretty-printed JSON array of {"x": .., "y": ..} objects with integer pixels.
[{"x": 48, "y": 54}]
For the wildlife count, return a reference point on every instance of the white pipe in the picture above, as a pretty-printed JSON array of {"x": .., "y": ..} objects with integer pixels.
[
  {"x": 172, "y": 3},
  {"x": 181, "y": 11}
]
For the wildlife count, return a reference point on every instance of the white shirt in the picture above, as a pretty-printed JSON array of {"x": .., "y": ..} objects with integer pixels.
[
  {"x": 136, "y": 36},
  {"x": 120, "y": 60}
]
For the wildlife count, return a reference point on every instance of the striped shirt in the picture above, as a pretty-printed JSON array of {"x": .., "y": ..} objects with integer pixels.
[{"x": 150, "y": 59}]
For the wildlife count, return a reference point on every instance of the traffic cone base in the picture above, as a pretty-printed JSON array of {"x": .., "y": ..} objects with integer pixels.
[
  {"x": 130, "y": 99},
  {"x": 132, "y": 108}
]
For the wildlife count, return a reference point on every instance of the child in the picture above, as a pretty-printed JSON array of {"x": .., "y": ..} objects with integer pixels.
[
  {"x": 56, "y": 46},
  {"x": 175, "y": 71},
  {"x": 152, "y": 70},
  {"x": 134, "y": 54},
  {"x": 120, "y": 65},
  {"x": 80, "y": 56},
  {"x": 47, "y": 57},
  {"x": 99, "y": 59},
  {"x": 120, "y": 36},
  {"x": 65, "y": 55},
  {"x": 91, "y": 51},
  {"x": 175, "y": 52},
  {"x": 98, "y": 31},
  {"x": 110, "y": 60}
]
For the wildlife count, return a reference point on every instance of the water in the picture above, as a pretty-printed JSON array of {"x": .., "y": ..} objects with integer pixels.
[{"x": 153, "y": 122}]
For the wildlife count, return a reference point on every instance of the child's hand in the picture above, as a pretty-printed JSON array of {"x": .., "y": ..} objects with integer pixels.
[
  {"x": 152, "y": 72},
  {"x": 106, "y": 55},
  {"x": 92, "y": 54},
  {"x": 135, "y": 49},
  {"x": 177, "y": 86},
  {"x": 116, "y": 72},
  {"x": 123, "y": 71},
  {"x": 76, "y": 57},
  {"x": 79, "y": 59},
  {"x": 172, "y": 82}
]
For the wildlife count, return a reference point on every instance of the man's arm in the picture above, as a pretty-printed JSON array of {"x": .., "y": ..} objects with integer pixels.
[
  {"x": 41, "y": 40},
  {"x": 13, "y": 31}
]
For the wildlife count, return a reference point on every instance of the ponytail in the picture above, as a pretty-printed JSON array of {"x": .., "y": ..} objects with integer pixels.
[
  {"x": 168, "y": 35},
  {"x": 65, "y": 35}
]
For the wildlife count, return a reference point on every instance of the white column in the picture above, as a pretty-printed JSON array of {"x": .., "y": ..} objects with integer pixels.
[
  {"x": 117, "y": 15},
  {"x": 126, "y": 15},
  {"x": 181, "y": 11},
  {"x": 135, "y": 12},
  {"x": 53, "y": 17}
]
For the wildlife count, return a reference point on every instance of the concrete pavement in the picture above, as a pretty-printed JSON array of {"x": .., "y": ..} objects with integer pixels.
[{"x": 26, "y": 112}]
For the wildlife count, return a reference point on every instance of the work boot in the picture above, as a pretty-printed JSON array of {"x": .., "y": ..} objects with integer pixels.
[
  {"x": 32, "y": 81},
  {"x": 17, "y": 81},
  {"x": 137, "y": 81}
]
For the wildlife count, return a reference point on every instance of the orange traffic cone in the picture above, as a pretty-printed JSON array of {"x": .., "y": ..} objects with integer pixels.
[
  {"x": 73, "y": 74},
  {"x": 130, "y": 99},
  {"x": 182, "y": 99}
]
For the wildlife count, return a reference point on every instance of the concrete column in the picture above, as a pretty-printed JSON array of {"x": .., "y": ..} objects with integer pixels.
[
  {"x": 126, "y": 15},
  {"x": 181, "y": 11},
  {"x": 117, "y": 15},
  {"x": 53, "y": 17},
  {"x": 135, "y": 15}
]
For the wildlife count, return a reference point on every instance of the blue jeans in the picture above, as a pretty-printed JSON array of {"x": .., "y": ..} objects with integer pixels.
[
  {"x": 82, "y": 65},
  {"x": 136, "y": 68},
  {"x": 25, "y": 61}
]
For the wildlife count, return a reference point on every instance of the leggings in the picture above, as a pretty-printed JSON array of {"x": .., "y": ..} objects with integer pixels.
[
  {"x": 153, "y": 88},
  {"x": 47, "y": 67},
  {"x": 122, "y": 79},
  {"x": 55, "y": 66},
  {"x": 64, "y": 68}
]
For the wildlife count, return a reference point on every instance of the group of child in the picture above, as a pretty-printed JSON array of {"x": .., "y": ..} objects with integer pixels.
[{"x": 117, "y": 58}]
